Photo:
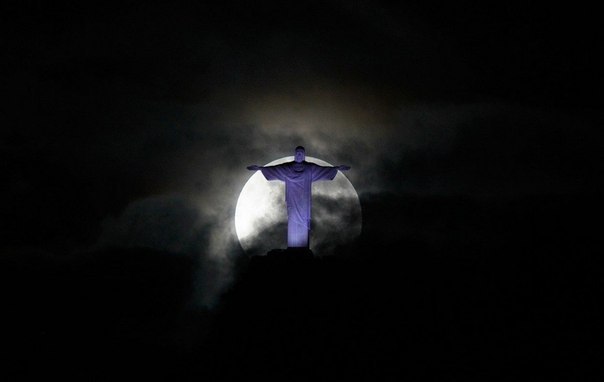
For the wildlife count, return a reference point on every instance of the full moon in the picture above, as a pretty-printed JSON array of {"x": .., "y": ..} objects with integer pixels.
[{"x": 261, "y": 214}]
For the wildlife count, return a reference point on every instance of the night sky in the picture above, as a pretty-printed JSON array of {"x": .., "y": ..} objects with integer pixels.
[{"x": 471, "y": 130}]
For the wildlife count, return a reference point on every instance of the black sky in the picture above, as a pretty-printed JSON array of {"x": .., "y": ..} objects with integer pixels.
[
  {"x": 471, "y": 129},
  {"x": 114, "y": 103}
]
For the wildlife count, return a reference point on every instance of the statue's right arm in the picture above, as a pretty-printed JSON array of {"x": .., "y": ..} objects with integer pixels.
[{"x": 254, "y": 167}]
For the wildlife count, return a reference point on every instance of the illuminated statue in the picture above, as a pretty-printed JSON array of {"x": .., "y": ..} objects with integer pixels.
[{"x": 298, "y": 177}]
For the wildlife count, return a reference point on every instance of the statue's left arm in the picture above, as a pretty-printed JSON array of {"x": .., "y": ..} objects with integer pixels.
[{"x": 326, "y": 172}]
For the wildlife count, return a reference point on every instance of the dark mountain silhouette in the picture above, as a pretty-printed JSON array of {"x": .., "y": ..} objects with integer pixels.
[{"x": 425, "y": 317}]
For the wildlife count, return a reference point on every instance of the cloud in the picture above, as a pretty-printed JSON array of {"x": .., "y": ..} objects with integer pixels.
[
  {"x": 492, "y": 149},
  {"x": 167, "y": 223},
  {"x": 336, "y": 221},
  {"x": 176, "y": 225}
]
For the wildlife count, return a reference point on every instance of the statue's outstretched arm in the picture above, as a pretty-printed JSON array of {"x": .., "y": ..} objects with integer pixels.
[
  {"x": 255, "y": 167},
  {"x": 277, "y": 172},
  {"x": 343, "y": 167}
]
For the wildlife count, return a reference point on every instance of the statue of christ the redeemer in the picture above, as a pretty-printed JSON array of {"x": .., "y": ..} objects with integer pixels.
[{"x": 298, "y": 177}]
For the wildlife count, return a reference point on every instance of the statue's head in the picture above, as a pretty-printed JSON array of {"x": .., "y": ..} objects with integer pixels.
[{"x": 300, "y": 154}]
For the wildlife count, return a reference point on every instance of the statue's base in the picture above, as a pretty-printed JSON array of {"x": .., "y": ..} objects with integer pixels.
[{"x": 291, "y": 252}]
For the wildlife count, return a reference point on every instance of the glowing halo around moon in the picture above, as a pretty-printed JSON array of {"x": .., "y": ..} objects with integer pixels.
[{"x": 261, "y": 214}]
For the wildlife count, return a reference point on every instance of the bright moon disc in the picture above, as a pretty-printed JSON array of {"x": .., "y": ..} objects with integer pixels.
[{"x": 261, "y": 214}]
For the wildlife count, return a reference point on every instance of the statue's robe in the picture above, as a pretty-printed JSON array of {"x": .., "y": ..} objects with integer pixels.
[{"x": 298, "y": 178}]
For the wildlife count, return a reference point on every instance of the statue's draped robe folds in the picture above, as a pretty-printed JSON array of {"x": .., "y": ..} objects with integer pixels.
[{"x": 298, "y": 178}]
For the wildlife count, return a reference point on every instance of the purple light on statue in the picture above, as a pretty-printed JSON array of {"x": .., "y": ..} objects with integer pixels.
[{"x": 298, "y": 176}]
